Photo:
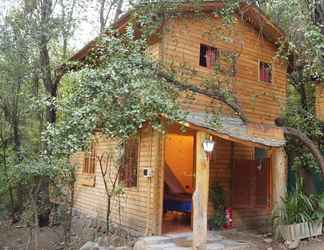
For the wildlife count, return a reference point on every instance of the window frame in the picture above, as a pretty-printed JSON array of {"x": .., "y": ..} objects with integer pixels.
[
  {"x": 231, "y": 71},
  {"x": 89, "y": 156},
  {"x": 120, "y": 177},
  {"x": 217, "y": 50},
  {"x": 259, "y": 71}
]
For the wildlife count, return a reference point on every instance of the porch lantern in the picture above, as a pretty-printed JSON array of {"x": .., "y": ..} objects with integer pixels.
[{"x": 208, "y": 145}]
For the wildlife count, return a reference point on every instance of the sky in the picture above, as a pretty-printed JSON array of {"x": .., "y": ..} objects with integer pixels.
[
  {"x": 86, "y": 30},
  {"x": 88, "y": 27}
]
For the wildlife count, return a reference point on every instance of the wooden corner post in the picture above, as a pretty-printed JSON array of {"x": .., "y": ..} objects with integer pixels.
[
  {"x": 279, "y": 175},
  {"x": 200, "y": 196}
]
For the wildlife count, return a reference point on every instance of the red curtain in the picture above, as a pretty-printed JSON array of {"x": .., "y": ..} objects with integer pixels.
[{"x": 211, "y": 56}]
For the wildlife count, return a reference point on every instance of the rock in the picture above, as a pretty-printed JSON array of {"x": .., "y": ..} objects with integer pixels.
[
  {"x": 19, "y": 241},
  {"x": 93, "y": 223},
  {"x": 267, "y": 240},
  {"x": 269, "y": 248},
  {"x": 59, "y": 247},
  {"x": 103, "y": 241},
  {"x": 292, "y": 244},
  {"x": 140, "y": 245},
  {"x": 90, "y": 245},
  {"x": 118, "y": 241}
]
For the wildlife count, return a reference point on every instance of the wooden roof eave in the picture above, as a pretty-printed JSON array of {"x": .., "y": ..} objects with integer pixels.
[
  {"x": 228, "y": 137},
  {"x": 260, "y": 21},
  {"x": 225, "y": 137},
  {"x": 251, "y": 13}
]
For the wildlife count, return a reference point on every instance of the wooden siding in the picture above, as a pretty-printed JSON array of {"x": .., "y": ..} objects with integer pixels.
[
  {"x": 221, "y": 166},
  {"x": 319, "y": 101},
  {"x": 139, "y": 204},
  {"x": 180, "y": 47},
  {"x": 262, "y": 103}
]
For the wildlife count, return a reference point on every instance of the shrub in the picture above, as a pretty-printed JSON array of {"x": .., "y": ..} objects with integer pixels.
[{"x": 219, "y": 217}]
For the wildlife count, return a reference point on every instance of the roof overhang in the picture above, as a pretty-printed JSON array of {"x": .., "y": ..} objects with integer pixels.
[{"x": 234, "y": 129}]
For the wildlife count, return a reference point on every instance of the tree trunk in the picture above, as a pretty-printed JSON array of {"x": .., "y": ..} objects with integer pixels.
[
  {"x": 10, "y": 190},
  {"x": 68, "y": 215},
  {"x": 319, "y": 14},
  {"x": 308, "y": 143},
  {"x": 108, "y": 213},
  {"x": 118, "y": 10}
]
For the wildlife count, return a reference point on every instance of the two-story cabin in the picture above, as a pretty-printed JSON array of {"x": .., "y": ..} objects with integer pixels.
[{"x": 169, "y": 177}]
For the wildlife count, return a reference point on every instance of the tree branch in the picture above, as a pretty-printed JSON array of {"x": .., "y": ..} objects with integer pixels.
[
  {"x": 304, "y": 139},
  {"x": 214, "y": 94},
  {"x": 308, "y": 143}
]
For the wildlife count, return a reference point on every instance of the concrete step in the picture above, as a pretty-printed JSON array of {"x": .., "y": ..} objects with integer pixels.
[{"x": 183, "y": 241}]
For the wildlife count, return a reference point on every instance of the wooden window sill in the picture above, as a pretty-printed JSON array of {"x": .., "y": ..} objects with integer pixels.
[{"x": 88, "y": 180}]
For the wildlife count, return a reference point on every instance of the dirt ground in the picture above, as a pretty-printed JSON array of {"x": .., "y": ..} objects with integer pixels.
[
  {"x": 14, "y": 237},
  {"x": 258, "y": 241},
  {"x": 18, "y": 238}
]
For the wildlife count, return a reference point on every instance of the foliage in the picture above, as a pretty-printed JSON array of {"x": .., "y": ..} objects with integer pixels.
[
  {"x": 319, "y": 211},
  {"x": 119, "y": 96},
  {"x": 296, "y": 207},
  {"x": 118, "y": 90},
  {"x": 219, "y": 217}
]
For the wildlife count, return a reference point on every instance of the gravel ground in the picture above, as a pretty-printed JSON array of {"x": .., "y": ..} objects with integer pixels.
[{"x": 15, "y": 237}]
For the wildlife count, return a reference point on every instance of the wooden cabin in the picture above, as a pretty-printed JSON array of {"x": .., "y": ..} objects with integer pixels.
[{"x": 170, "y": 177}]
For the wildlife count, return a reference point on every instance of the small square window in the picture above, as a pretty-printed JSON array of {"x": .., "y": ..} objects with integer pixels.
[
  {"x": 208, "y": 56},
  {"x": 265, "y": 72}
]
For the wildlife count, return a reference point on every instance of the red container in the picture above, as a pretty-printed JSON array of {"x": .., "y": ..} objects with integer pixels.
[{"x": 229, "y": 218}]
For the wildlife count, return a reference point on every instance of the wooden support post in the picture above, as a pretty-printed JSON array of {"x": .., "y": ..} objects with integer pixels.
[
  {"x": 200, "y": 196},
  {"x": 279, "y": 175}
]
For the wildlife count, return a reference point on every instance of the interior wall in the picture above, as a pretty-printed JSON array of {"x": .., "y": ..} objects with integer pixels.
[{"x": 179, "y": 157}]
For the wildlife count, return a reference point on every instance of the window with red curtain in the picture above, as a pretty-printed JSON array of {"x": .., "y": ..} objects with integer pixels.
[
  {"x": 208, "y": 56},
  {"x": 129, "y": 163},
  {"x": 265, "y": 71},
  {"x": 89, "y": 164}
]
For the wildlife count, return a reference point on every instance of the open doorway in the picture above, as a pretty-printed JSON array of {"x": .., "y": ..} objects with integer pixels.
[{"x": 178, "y": 183}]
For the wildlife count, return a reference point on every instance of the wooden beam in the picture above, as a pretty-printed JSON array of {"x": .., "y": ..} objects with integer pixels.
[
  {"x": 279, "y": 175},
  {"x": 200, "y": 196},
  {"x": 226, "y": 137}
]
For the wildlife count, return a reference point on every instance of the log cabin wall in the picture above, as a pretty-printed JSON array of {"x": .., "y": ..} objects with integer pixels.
[
  {"x": 221, "y": 165},
  {"x": 180, "y": 49},
  {"x": 262, "y": 102},
  {"x": 139, "y": 204}
]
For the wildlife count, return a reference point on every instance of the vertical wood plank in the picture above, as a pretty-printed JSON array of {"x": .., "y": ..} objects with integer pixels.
[
  {"x": 279, "y": 175},
  {"x": 200, "y": 196}
]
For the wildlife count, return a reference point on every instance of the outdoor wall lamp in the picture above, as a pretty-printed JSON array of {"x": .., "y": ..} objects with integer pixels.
[{"x": 208, "y": 145}]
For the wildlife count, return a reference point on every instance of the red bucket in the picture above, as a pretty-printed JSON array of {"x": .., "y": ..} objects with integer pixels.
[{"x": 229, "y": 218}]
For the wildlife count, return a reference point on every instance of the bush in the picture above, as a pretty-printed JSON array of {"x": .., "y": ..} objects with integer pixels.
[
  {"x": 219, "y": 217},
  {"x": 297, "y": 207}
]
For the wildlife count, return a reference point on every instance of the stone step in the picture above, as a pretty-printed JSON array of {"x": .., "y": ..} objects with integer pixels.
[{"x": 183, "y": 241}]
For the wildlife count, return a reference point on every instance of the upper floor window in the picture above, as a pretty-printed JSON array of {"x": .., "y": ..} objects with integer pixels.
[
  {"x": 89, "y": 165},
  {"x": 208, "y": 56},
  {"x": 225, "y": 60},
  {"x": 129, "y": 163},
  {"x": 265, "y": 72}
]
